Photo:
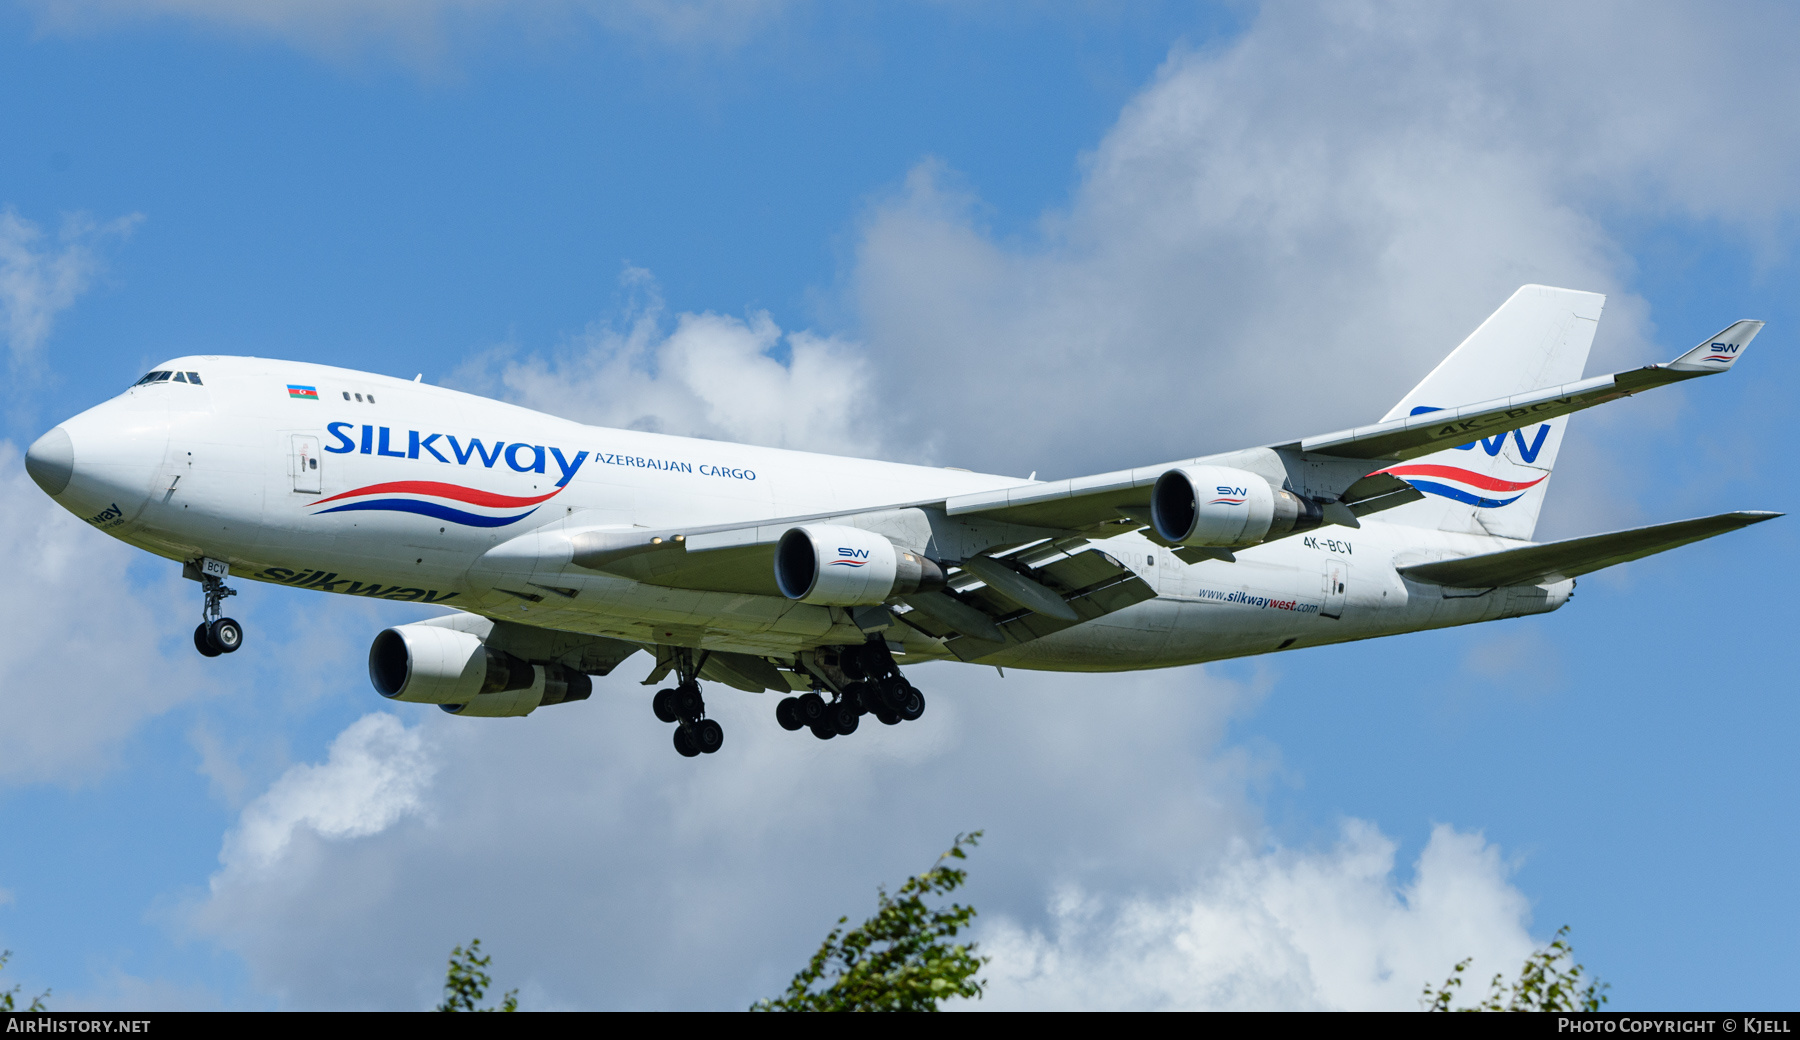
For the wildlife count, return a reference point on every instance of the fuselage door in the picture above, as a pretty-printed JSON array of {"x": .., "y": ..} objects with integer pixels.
[
  {"x": 305, "y": 463},
  {"x": 1336, "y": 587}
]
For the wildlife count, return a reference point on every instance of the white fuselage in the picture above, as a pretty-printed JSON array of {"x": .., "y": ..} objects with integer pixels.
[{"x": 241, "y": 469}]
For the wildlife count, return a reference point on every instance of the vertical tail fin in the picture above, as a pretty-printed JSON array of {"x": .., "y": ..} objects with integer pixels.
[{"x": 1538, "y": 338}]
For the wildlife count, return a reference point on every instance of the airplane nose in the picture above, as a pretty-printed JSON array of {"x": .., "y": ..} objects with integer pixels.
[{"x": 51, "y": 461}]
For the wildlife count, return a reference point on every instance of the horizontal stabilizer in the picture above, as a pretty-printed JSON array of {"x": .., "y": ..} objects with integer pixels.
[{"x": 1554, "y": 561}]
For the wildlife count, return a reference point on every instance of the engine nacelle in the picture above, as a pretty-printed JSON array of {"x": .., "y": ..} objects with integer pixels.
[
  {"x": 832, "y": 566},
  {"x": 1226, "y": 508},
  {"x": 430, "y": 664}
]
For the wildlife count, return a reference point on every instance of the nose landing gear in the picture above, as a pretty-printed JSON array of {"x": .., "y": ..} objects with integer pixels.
[{"x": 216, "y": 634}]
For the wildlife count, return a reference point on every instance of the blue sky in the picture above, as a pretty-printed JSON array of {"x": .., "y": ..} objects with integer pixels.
[{"x": 1007, "y": 236}]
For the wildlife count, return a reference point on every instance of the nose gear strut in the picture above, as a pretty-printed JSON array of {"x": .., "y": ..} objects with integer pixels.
[{"x": 216, "y": 633}]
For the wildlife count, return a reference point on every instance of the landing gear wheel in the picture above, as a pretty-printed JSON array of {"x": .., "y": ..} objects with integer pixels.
[
  {"x": 892, "y": 692},
  {"x": 225, "y": 635},
  {"x": 203, "y": 644},
  {"x": 887, "y": 717},
  {"x": 809, "y": 708},
  {"x": 709, "y": 736},
  {"x": 684, "y": 743},
  {"x": 865, "y": 695},
  {"x": 787, "y": 715},
  {"x": 844, "y": 718},
  {"x": 912, "y": 706},
  {"x": 664, "y": 705},
  {"x": 823, "y": 730},
  {"x": 687, "y": 701}
]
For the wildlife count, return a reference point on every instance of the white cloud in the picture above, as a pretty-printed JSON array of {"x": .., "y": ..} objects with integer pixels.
[
  {"x": 603, "y": 870},
  {"x": 1281, "y": 929},
  {"x": 709, "y": 376},
  {"x": 1236, "y": 267},
  {"x": 220, "y": 766},
  {"x": 376, "y": 773},
  {"x": 41, "y": 279},
  {"x": 70, "y": 591},
  {"x": 1283, "y": 233}
]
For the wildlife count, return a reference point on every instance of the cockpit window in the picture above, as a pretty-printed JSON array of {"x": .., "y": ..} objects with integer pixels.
[{"x": 160, "y": 376}]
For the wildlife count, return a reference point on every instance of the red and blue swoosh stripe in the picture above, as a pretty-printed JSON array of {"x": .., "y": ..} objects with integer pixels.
[
  {"x": 1421, "y": 476},
  {"x": 431, "y": 498}
]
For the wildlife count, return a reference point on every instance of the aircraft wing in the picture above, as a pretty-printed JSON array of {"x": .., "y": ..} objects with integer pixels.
[
  {"x": 1035, "y": 601},
  {"x": 745, "y": 564},
  {"x": 1412, "y": 436},
  {"x": 999, "y": 598},
  {"x": 1555, "y": 561},
  {"x": 1086, "y": 502}
]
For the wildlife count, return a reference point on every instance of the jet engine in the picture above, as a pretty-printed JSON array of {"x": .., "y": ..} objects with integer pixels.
[
  {"x": 833, "y": 566},
  {"x": 1227, "y": 508},
  {"x": 431, "y": 664}
]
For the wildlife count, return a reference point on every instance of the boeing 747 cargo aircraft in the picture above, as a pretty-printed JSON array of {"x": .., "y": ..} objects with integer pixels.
[{"x": 559, "y": 550}]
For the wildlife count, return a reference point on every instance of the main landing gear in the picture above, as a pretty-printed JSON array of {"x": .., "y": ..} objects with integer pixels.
[
  {"x": 862, "y": 680},
  {"x": 858, "y": 680},
  {"x": 216, "y": 633},
  {"x": 694, "y": 733}
]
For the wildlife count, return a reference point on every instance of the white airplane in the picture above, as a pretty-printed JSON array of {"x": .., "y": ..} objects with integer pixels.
[{"x": 561, "y": 549}]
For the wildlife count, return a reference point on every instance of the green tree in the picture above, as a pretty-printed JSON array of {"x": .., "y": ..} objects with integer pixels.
[
  {"x": 1549, "y": 981},
  {"x": 467, "y": 982},
  {"x": 6, "y": 995},
  {"x": 902, "y": 959}
]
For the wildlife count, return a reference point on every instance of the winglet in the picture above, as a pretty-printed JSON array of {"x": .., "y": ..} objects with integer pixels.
[{"x": 1718, "y": 353}]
